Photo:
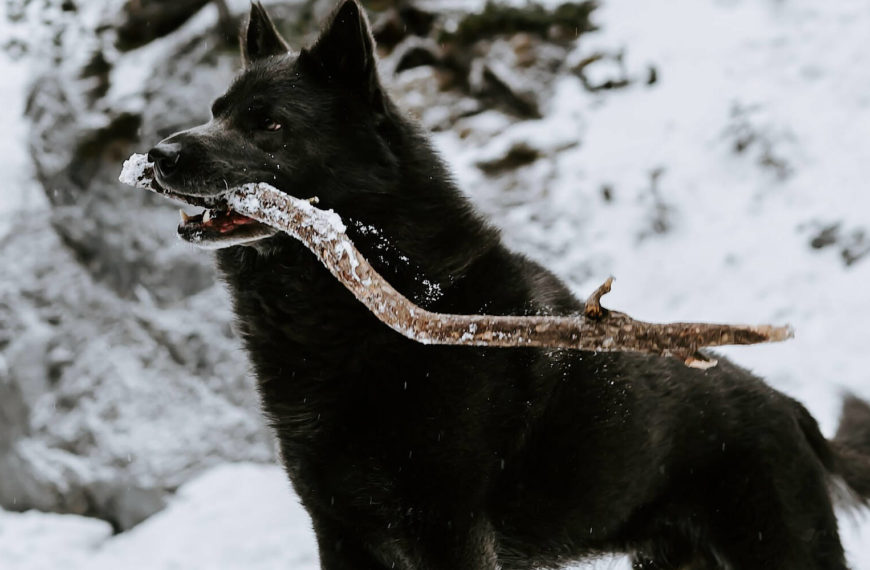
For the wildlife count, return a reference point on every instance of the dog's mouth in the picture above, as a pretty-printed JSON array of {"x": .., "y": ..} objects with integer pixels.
[{"x": 219, "y": 226}]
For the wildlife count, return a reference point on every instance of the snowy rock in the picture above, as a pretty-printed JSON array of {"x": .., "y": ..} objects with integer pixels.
[
  {"x": 107, "y": 405},
  {"x": 13, "y": 411},
  {"x": 28, "y": 365}
]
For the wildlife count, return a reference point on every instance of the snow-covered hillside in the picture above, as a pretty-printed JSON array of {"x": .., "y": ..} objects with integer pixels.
[
  {"x": 19, "y": 191},
  {"x": 733, "y": 188}
]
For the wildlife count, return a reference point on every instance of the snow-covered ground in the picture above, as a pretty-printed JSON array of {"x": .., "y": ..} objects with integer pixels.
[
  {"x": 237, "y": 516},
  {"x": 693, "y": 230}
]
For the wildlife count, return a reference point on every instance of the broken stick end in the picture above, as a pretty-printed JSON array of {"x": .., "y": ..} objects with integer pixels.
[
  {"x": 593, "y": 308},
  {"x": 700, "y": 361},
  {"x": 776, "y": 333}
]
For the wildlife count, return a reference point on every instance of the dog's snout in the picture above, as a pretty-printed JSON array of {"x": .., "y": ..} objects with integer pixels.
[{"x": 165, "y": 157}]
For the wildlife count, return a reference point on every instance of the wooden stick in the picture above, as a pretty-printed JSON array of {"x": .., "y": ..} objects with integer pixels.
[{"x": 597, "y": 329}]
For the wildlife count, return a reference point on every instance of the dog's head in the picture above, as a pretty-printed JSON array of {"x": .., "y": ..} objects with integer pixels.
[{"x": 308, "y": 123}]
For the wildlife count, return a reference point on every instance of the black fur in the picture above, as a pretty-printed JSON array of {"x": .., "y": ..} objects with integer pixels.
[
  {"x": 427, "y": 457},
  {"x": 853, "y": 445},
  {"x": 260, "y": 39}
]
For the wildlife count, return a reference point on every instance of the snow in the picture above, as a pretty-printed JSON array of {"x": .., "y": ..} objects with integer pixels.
[
  {"x": 19, "y": 191},
  {"x": 790, "y": 77},
  {"x": 247, "y": 200},
  {"x": 133, "y": 170},
  {"x": 326, "y": 225},
  {"x": 238, "y": 516}
]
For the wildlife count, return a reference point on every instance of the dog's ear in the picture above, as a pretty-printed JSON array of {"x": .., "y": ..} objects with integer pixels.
[
  {"x": 260, "y": 38},
  {"x": 345, "y": 50}
]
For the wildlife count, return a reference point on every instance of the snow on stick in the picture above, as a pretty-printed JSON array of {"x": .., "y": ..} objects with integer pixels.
[{"x": 597, "y": 329}]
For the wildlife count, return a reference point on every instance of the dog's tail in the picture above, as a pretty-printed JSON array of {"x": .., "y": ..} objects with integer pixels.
[
  {"x": 847, "y": 456},
  {"x": 851, "y": 447}
]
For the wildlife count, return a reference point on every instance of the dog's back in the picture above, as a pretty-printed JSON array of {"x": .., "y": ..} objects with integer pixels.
[{"x": 412, "y": 456}]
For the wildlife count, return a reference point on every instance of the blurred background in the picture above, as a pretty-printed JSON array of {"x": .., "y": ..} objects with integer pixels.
[{"x": 711, "y": 154}]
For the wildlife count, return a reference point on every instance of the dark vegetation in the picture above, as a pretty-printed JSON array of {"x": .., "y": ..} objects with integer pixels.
[
  {"x": 852, "y": 245},
  {"x": 566, "y": 22}
]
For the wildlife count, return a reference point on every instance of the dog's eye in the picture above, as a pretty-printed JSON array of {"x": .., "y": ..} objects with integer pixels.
[{"x": 271, "y": 125}]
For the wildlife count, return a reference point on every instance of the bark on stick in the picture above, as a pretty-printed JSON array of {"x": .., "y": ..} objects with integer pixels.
[{"x": 597, "y": 329}]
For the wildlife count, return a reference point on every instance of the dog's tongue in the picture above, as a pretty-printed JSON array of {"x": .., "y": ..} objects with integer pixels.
[
  {"x": 229, "y": 220},
  {"x": 222, "y": 221}
]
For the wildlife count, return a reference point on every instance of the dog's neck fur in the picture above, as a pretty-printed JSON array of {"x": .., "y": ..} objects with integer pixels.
[{"x": 415, "y": 201}]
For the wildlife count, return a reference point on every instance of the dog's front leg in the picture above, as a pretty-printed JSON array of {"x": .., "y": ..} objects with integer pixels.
[
  {"x": 458, "y": 544},
  {"x": 341, "y": 549},
  {"x": 445, "y": 545}
]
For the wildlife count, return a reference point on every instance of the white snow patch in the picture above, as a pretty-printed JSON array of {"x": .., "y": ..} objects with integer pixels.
[
  {"x": 233, "y": 517},
  {"x": 133, "y": 169}
]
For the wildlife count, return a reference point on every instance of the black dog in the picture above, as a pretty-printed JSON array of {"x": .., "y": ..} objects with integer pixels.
[{"x": 453, "y": 458}]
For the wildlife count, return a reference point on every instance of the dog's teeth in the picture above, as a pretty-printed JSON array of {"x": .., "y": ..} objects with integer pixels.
[
  {"x": 206, "y": 216},
  {"x": 184, "y": 216}
]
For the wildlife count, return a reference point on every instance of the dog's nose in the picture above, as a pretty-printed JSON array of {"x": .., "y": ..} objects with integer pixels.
[{"x": 165, "y": 157}]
